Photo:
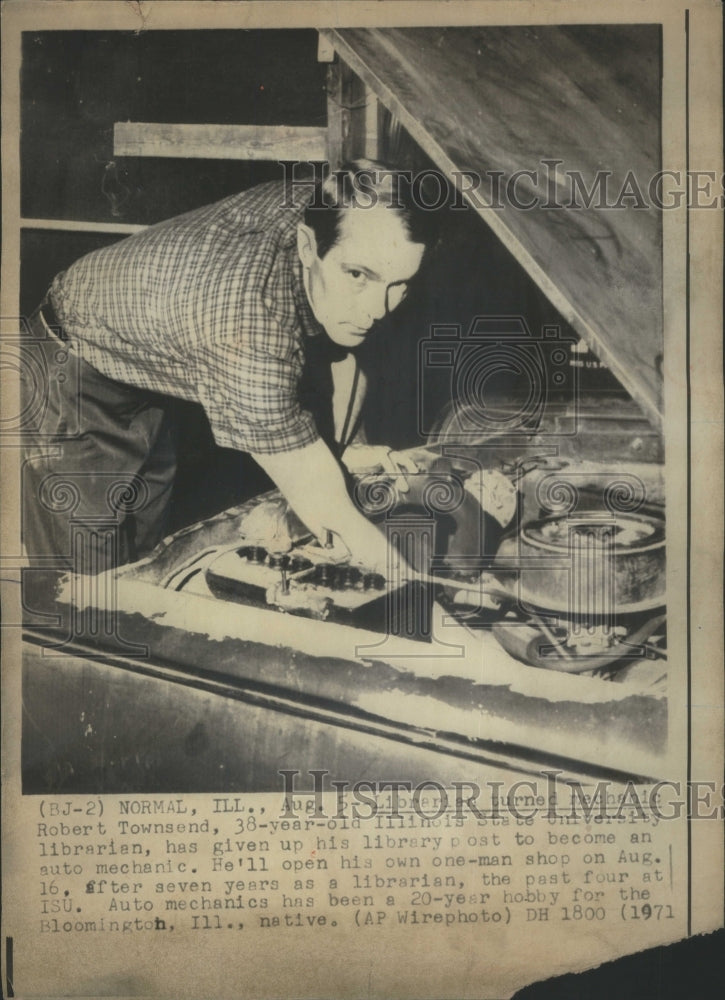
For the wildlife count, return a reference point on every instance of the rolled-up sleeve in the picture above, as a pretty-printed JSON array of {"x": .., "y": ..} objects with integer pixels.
[{"x": 250, "y": 396}]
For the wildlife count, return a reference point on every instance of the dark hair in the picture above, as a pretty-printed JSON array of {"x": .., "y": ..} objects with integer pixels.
[{"x": 366, "y": 183}]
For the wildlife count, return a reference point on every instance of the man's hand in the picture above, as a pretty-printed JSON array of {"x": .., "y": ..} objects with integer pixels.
[
  {"x": 313, "y": 483},
  {"x": 362, "y": 458},
  {"x": 273, "y": 524}
]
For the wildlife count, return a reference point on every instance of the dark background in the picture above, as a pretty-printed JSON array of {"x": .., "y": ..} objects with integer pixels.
[{"x": 75, "y": 85}]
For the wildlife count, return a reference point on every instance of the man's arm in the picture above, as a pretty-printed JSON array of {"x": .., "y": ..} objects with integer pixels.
[{"x": 313, "y": 483}]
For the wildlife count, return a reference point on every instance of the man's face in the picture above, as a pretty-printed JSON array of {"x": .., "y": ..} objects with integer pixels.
[{"x": 363, "y": 276}]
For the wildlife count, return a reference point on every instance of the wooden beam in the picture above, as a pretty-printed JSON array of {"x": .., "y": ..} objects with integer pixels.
[
  {"x": 325, "y": 49},
  {"x": 336, "y": 118},
  {"x": 219, "y": 142},
  {"x": 81, "y": 226},
  {"x": 352, "y": 116},
  {"x": 371, "y": 138}
]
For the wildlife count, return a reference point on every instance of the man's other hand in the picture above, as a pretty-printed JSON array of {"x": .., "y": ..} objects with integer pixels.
[{"x": 367, "y": 458}]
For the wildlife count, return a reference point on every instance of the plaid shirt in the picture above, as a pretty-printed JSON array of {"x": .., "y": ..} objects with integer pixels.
[{"x": 209, "y": 306}]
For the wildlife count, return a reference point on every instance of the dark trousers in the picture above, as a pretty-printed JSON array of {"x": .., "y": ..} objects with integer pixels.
[{"x": 99, "y": 459}]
